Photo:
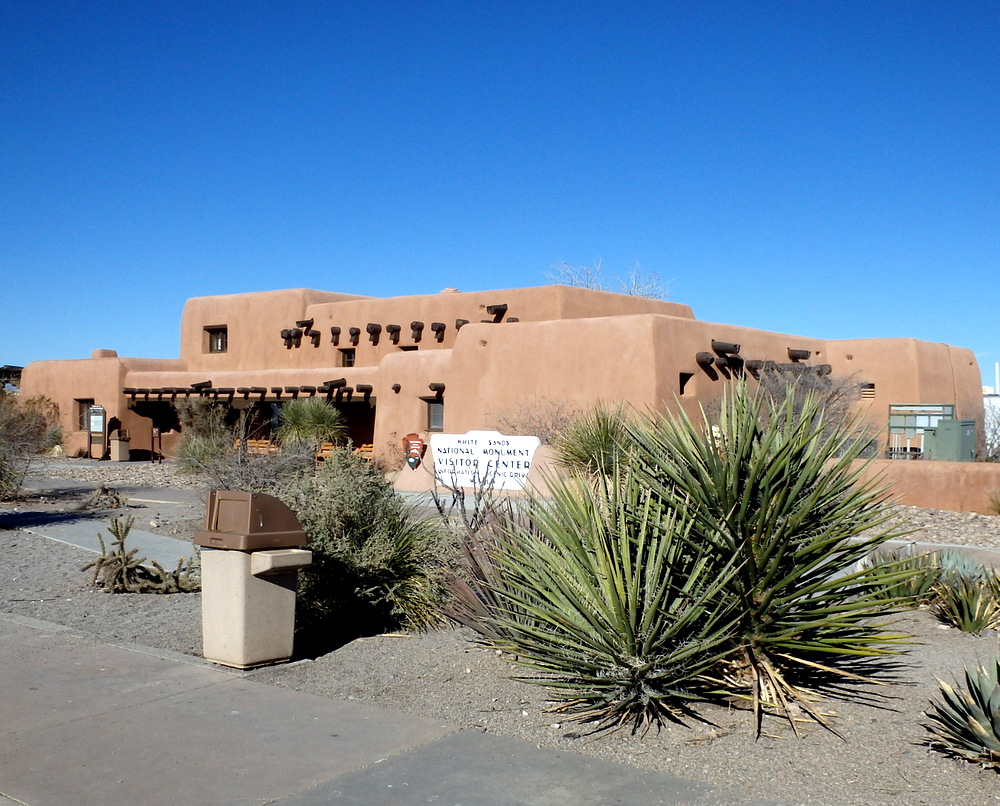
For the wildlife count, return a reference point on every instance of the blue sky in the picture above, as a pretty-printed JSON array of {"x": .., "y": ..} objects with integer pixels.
[{"x": 827, "y": 169}]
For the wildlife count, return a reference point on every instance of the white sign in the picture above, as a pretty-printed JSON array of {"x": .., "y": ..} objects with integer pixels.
[
  {"x": 97, "y": 419},
  {"x": 483, "y": 459}
]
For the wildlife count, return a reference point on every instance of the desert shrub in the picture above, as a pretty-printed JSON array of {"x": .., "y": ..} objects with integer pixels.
[
  {"x": 774, "y": 488},
  {"x": 956, "y": 566},
  {"x": 204, "y": 434},
  {"x": 961, "y": 592},
  {"x": 972, "y": 605},
  {"x": 592, "y": 443},
  {"x": 310, "y": 421},
  {"x": 603, "y": 593},
  {"x": 27, "y": 427},
  {"x": 803, "y": 390},
  {"x": 543, "y": 417},
  {"x": 903, "y": 577},
  {"x": 725, "y": 550},
  {"x": 377, "y": 565},
  {"x": 216, "y": 450},
  {"x": 965, "y": 724}
]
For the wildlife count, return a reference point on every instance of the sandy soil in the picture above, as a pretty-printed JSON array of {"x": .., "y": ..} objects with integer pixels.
[{"x": 447, "y": 675}]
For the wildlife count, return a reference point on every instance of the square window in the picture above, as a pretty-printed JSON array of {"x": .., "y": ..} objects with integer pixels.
[
  {"x": 435, "y": 415},
  {"x": 83, "y": 413},
  {"x": 217, "y": 339},
  {"x": 347, "y": 357}
]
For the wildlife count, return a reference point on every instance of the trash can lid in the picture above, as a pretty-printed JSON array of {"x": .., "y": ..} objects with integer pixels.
[{"x": 245, "y": 521}]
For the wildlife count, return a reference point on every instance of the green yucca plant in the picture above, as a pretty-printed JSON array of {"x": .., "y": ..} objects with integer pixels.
[
  {"x": 967, "y": 603},
  {"x": 966, "y": 724},
  {"x": 903, "y": 577},
  {"x": 310, "y": 420},
  {"x": 776, "y": 492},
  {"x": 604, "y": 594},
  {"x": 592, "y": 443}
]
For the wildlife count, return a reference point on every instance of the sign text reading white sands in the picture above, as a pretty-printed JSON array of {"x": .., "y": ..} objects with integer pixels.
[{"x": 483, "y": 459}]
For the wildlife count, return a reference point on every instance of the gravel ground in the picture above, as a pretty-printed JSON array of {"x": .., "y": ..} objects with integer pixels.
[{"x": 446, "y": 675}]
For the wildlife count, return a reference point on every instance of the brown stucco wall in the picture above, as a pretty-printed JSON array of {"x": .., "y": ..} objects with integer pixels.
[
  {"x": 100, "y": 379},
  {"x": 956, "y": 486},
  {"x": 254, "y": 322},
  {"x": 570, "y": 344}
]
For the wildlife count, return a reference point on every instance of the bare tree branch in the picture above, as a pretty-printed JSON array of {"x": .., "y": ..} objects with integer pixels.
[{"x": 636, "y": 283}]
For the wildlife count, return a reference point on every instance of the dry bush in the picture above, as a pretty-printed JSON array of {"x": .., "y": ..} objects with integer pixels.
[
  {"x": 216, "y": 451},
  {"x": 636, "y": 283},
  {"x": 27, "y": 427},
  {"x": 542, "y": 417}
]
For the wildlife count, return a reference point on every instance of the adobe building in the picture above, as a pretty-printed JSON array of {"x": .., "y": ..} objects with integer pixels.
[{"x": 458, "y": 361}]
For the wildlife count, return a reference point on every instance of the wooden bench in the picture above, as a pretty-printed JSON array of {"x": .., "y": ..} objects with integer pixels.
[
  {"x": 260, "y": 446},
  {"x": 364, "y": 451}
]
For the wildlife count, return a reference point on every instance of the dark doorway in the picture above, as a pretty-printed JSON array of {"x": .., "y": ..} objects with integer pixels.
[{"x": 360, "y": 420}]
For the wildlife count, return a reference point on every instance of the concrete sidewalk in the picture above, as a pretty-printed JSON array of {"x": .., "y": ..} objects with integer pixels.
[
  {"x": 86, "y": 723},
  {"x": 81, "y": 528}
]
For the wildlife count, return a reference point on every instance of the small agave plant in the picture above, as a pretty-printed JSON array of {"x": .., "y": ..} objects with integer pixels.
[
  {"x": 967, "y": 723},
  {"x": 970, "y": 605},
  {"x": 903, "y": 576}
]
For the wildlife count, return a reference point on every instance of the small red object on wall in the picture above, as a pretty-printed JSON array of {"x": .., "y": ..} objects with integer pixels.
[{"x": 413, "y": 449}]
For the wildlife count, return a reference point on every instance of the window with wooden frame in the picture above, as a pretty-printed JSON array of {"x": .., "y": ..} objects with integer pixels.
[
  {"x": 83, "y": 412},
  {"x": 435, "y": 415},
  {"x": 216, "y": 339}
]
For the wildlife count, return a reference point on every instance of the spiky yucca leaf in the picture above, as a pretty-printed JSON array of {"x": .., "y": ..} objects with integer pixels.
[
  {"x": 968, "y": 604},
  {"x": 310, "y": 420},
  {"x": 605, "y": 596},
  {"x": 770, "y": 485},
  {"x": 966, "y": 724},
  {"x": 592, "y": 443},
  {"x": 903, "y": 577}
]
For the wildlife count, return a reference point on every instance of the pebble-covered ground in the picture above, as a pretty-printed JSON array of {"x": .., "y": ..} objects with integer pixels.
[{"x": 447, "y": 675}]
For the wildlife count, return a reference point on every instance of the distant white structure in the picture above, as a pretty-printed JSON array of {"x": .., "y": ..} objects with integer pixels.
[
  {"x": 995, "y": 389},
  {"x": 991, "y": 417}
]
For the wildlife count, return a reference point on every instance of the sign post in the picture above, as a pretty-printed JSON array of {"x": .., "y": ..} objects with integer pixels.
[{"x": 97, "y": 419}]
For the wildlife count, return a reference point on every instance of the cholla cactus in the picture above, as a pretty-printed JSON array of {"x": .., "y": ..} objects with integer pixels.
[
  {"x": 121, "y": 571},
  {"x": 967, "y": 723}
]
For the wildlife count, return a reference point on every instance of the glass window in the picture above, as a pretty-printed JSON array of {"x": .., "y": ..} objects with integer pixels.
[
  {"x": 435, "y": 415},
  {"x": 83, "y": 412},
  {"x": 347, "y": 357},
  {"x": 907, "y": 424},
  {"x": 217, "y": 338}
]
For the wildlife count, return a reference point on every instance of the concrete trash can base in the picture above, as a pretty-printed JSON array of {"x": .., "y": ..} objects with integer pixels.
[
  {"x": 119, "y": 450},
  {"x": 248, "y": 605}
]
